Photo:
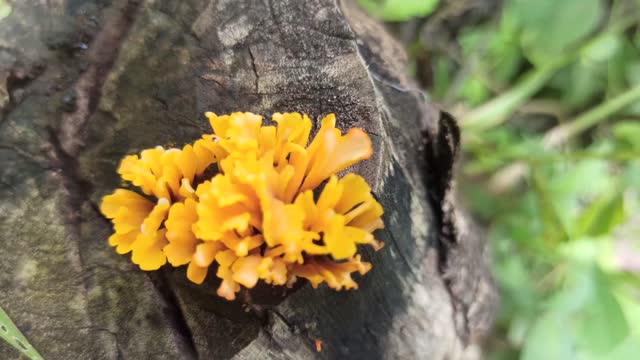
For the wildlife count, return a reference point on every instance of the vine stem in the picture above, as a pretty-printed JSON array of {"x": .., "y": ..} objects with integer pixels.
[{"x": 561, "y": 133}]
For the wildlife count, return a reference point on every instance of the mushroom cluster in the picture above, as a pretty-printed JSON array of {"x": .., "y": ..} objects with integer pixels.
[{"x": 273, "y": 210}]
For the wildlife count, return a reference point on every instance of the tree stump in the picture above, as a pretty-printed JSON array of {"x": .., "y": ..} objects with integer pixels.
[{"x": 84, "y": 82}]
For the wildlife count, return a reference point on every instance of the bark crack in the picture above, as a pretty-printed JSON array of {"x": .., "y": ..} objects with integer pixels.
[
  {"x": 395, "y": 86},
  {"x": 163, "y": 286},
  {"x": 255, "y": 70},
  {"x": 103, "y": 53},
  {"x": 401, "y": 254}
]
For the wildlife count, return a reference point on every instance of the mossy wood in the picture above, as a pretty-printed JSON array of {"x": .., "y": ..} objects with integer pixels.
[{"x": 84, "y": 82}]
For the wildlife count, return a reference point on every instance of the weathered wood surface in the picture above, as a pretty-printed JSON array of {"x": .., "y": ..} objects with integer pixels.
[{"x": 84, "y": 82}]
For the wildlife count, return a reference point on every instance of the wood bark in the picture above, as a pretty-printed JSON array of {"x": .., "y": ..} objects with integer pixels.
[{"x": 84, "y": 82}]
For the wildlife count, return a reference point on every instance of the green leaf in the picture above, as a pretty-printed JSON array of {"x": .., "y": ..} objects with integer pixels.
[
  {"x": 603, "y": 48},
  {"x": 548, "y": 339},
  {"x": 569, "y": 184},
  {"x": 474, "y": 91},
  {"x": 587, "y": 80},
  {"x": 627, "y": 350},
  {"x": 623, "y": 68},
  {"x": 631, "y": 176},
  {"x": 10, "y": 333},
  {"x": 583, "y": 250},
  {"x": 441, "y": 77},
  {"x": 628, "y": 299},
  {"x": 601, "y": 323},
  {"x": 399, "y": 10},
  {"x": 594, "y": 322},
  {"x": 554, "y": 226},
  {"x": 550, "y": 27},
  {"x": 584, "y": 320},
  {"x": 606, "y": 212},
  {"x": 504, "y": 50},
  {"x": 628, "y": 132},
  {"x": 633, "y": 72}
]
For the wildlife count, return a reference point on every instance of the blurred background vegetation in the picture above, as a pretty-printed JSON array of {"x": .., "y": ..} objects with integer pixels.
[{"x": 547, "y": 94}]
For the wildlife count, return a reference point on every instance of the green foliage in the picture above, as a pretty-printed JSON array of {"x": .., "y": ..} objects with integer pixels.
[
  {"x": 551, "y": 27},
  {"x": 582, "y": 320},
  {"x": 548, "y": 97},
  {"x": 628, "y": 134},
  {"x": 398, "y": 10},
  {"x": 604, "y": 214},
  {"x": 566, "y": 294},
  {"x": 555, "y": 258},
  {"x": 10, "y": 333}
]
